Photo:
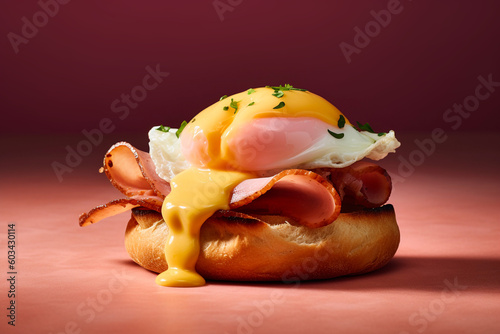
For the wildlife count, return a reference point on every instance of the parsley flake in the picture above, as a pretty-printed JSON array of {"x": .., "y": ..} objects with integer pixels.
[
  {"x": 225, "y": 108},
  {"x": 286, "y": 87},
  {"x": 251, "y": 104},
  {"x": 234, "y": 105},
  {"x": 341, "y": 122},
  {"x": 279, "y": 90},
  {"x": 250, "y": 91},
  {"x": 365, "y": 127},
  {"x": 280, "y": 105},
  {"x": 163, "y": 128},
  {"x": 368, "y": 128},
  {"x": 183, "y": 125},
  {"x": 278, "y": 93},
  {"x": 222, "y": 97},
  {"x": 336, "y": 135}
]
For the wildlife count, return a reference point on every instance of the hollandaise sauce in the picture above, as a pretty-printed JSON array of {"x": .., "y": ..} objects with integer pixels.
[{"x": 196, "y": 195}]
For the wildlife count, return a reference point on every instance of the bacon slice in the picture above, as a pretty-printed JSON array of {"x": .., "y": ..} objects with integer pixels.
[
  {"x": 299, "y": 194},
  {"x": 132, "y": 172},
  {"x": 118, "y": 206},
  {"x": 311, "y": 198}
]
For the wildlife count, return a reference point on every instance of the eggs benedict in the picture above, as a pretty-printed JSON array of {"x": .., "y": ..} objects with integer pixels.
[{"x": 253, "y": 186}]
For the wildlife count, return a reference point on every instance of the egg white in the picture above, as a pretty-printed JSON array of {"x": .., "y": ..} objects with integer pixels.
[
  {"x": 354, "y": 146},
  {"x": 166, "y": 153}
]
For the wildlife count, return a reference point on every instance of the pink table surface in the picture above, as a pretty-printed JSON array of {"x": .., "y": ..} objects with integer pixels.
[{"x": 445, "y": 277}]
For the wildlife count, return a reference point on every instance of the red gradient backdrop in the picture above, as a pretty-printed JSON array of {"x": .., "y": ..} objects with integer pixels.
[
  {"x": 64, "y": 81},
  {"x": 66, "y": 77}
]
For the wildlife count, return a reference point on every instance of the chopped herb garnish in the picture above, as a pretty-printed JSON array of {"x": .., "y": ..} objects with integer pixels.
[
  {"x": 222, "y": 97},
  {"x": 163, "y": 128},
  {"x": 250, "y": 91},
  {"x": 251, "y": 104},
  {"x": 286, "y": 87},
  {"x": 368, "y": 128},
  {"x": 226, "y": 108},
  {"x": 234, "y": 105},
  {"x": 280, "y": 105},
  {"x": 341, "y": 122},
  {"x": 365, "y": 127},
  {"x": 279, "y": 90},
  {"x": 336, "y": 135},
  {"x": 183, "y": 125},
  {"x": 278, "y": 93},
  {"x": 194, "y": 119}
]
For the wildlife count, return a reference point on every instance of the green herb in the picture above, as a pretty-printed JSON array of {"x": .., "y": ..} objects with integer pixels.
[
  {"x": 279, "y": 90},
  {"x": 341, "y": 122},
  {"x": 225, "y": 108},
  {"x": 194, "y": 119},
  {"x": 286, "y": 87},
  {"x": 163, "y": 129},
  {"x": 234, "y": 105},
  {"x": 336, "y": 135},
  {"x": 250, "y": 91},
  {"x": 278, "y": 93},
  {"x": 280, "y": 105},
  {"x": 251, "y": 104},
  {"x": 222, "y": 97},
  {"x": 183, "y": 125},
  {"x": 367, "y": 127}
]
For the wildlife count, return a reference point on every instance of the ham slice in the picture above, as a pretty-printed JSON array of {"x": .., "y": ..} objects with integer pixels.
[
  {"x": 133, "y": 172},
  {"x": 118, "y": 206},
  {"x": 311, "y": 198},
  {"x": 302, "y": 195},
  {"x": 362, "y": 184}
]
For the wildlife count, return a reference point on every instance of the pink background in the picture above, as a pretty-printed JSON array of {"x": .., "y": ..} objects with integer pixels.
[
  {"x": 443, "y": 279},
  {"x": 63, "y": 82}
]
